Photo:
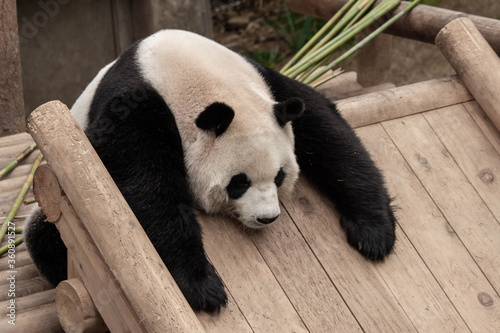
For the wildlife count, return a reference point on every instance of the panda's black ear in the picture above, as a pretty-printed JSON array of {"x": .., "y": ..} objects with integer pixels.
[
  {"x": 289, "y": 110},
  {"x": 216, "y": 117}
]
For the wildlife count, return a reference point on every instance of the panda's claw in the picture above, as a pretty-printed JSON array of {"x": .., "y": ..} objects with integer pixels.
[
  {"x": 373, "y": 238},
  {"x": 205, "y": 294}
]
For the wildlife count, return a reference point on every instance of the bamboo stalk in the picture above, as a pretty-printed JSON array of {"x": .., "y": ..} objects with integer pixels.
[
  {"x": 29, "y": 201},
  {"x": 363, "y": 8},
  {"x": 20, "y": 196},
  {"x": 326, "y": 50},
  {"x": 362, "y": 43},
  {"x": 18, "y": 160},
  {"x": 15, "y": 217},
  {"x": 5, "y": 248},
  {"x": 345, "y": 22},
  {"x": 318, "y": 35}
]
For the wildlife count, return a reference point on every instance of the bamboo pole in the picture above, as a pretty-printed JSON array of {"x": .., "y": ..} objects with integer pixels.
[
  {"x": 19, "y": 199},
  {"x": 423, "y": 23},
  {"x": 107, "y": 219},
  {"x": 18, "y": 160},
  {"x": 475, "y": 62}
]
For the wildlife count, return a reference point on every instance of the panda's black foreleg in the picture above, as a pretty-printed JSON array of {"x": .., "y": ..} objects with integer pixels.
[
  {"x": 176, "y": 235},
  {"x": 331, "y": 155},
  {"x": 145, "y": 158}
]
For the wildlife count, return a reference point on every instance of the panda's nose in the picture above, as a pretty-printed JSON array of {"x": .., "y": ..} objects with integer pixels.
[{"x": 267, "y": 220}]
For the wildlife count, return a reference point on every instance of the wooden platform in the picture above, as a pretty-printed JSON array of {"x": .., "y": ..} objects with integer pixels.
[{"x": 442, "y": 167}]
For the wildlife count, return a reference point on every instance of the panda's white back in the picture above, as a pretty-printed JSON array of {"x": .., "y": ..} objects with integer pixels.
[{"x": 191, "y": 72}]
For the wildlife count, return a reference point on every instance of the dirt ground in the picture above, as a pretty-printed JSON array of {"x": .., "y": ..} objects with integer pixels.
[{"x": 249, "y": 26}]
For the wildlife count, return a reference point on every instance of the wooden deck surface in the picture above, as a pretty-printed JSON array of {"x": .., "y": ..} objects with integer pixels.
[{"x": 299, "y": 275}]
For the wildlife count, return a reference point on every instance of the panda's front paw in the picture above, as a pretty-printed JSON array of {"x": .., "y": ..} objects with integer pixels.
[
  {"x": 372, "y": 236},
  {"x": 206, "y": 293}
]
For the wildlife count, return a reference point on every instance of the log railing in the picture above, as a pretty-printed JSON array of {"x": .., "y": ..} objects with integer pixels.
[
  {"x": 423, "y": 23},
  {"x": 112, "y": 264}
]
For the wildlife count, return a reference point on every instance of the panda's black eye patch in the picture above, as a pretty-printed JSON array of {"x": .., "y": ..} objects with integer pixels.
[
  {"x": 238, "y": 185},
  {"x": 278, "y": 180}
]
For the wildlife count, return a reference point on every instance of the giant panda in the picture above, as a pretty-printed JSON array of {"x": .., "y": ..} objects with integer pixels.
[{"x": 184, "y": 124}]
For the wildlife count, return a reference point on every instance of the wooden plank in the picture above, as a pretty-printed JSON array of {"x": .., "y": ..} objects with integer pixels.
[
  {"x": 484, "y": 123},
  {"x": 41, "y": 319},
  {"x": 26, "y": 287},
  {"x": 301, "y": 276},
  {"x": 22, "y": 259},
  {"x": 473, "y": 153},
  {"x": 22, "y": 273},
  {"x": 456, "y": 267},
  {"x": 357, "y": 279},
  {"x": 248, "y": 278},
  {"x": 26, "y": 303},
  {"x": 11, "y": 151},
  {"x": 230, "y": 319},
  {"x": 402, "y": 101},
  {"x": 405, "y": 271},
  {"x": 16, "y": 139}
]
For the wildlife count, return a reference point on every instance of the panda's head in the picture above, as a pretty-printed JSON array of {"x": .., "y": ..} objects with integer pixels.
[{"x": 241, "y": 165}]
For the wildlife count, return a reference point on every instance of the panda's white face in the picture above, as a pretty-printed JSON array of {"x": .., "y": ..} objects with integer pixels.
[
  {"x": 236, "y": 146},
  {"x": 243, "y": 174}
]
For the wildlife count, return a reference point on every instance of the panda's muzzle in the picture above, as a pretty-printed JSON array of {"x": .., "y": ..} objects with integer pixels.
[{"x": 267, "y": 220}]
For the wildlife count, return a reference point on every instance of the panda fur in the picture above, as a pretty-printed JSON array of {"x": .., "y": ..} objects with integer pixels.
[{"x": 182, "y": 123}]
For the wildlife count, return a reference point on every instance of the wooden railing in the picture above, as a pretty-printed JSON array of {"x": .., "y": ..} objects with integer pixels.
[{"x": 114, "y": 270}]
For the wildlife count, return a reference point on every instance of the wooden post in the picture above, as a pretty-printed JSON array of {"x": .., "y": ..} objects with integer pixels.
[
  {"x": 475, "y": 62},
  {"x": 108, "y": 242},
  {"x": 12, "y": 117},
  {"x": 76, "y": 310},
  {"x": 423, "y": 23}
]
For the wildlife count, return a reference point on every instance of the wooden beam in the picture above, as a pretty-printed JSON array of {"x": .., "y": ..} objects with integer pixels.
[
  {"x": 403, "y": 101},
  {"x": 475, "y": 62},
  {"x": 423, "y": 23},
  {"x": 110, "y": 224},
  {"x": 13, "y": 119}
]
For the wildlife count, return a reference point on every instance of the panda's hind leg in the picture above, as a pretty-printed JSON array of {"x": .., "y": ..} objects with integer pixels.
[{"x": 45, "y": 247}]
